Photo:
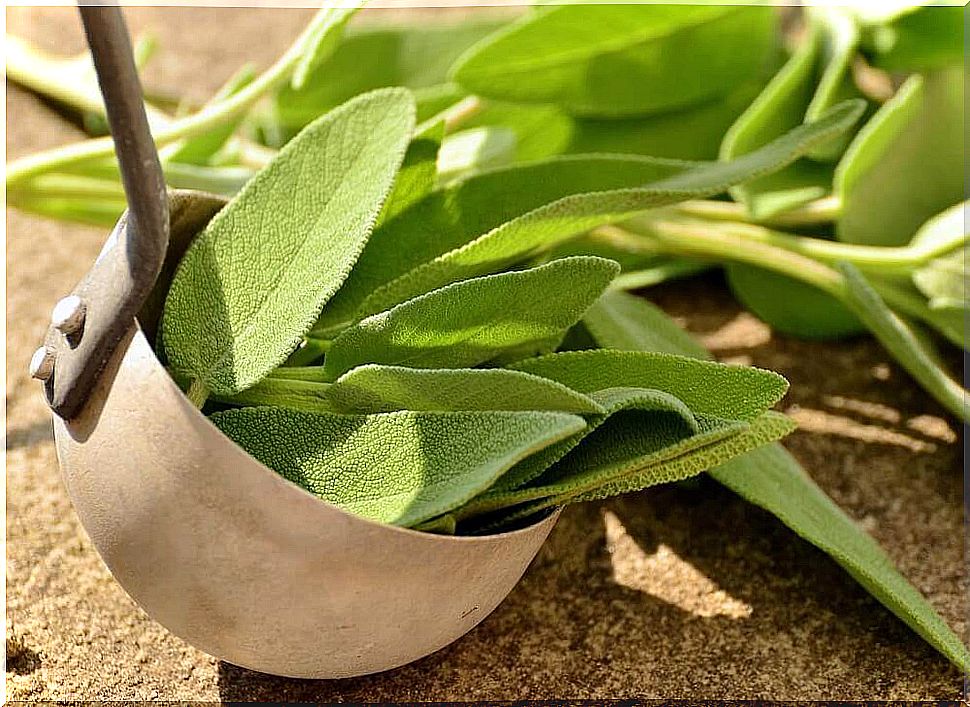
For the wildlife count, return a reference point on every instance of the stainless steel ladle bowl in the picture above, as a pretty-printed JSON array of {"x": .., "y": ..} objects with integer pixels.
[{"x": 215, "y": 546}]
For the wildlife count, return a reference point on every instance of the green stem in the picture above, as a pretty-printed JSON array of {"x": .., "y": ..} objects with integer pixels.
[
  {"x": 209, "y": 117},
  {"x": 818, "y": 212}
]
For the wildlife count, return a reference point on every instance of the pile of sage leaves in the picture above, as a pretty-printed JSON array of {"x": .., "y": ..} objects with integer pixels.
[{"x": 415, "y": 303}]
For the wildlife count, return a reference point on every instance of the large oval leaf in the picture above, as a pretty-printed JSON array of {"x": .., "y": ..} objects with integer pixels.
[
  {"x": 256, "y": 278},
  {"x": 621, "y": 60},
  {"x": 400, "y": 468}
]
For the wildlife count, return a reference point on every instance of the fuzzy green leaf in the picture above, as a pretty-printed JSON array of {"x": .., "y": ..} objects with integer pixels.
[
  {"x": 616, "y": 60},
  {"x": 923, "y": 39},
  {"x": 551, "y": 224},
  {"x": 469, "y": 322},
  {"x": 254, "y": 281},
  {"x": 730, "y": 392},
  {"x": 645, "y": 402},
  {"x": 401, "y": 468},
  {"x": 772, "y": 479},
  {"x": 373, "y": 388},
  {"x": 906, "y": 164}
]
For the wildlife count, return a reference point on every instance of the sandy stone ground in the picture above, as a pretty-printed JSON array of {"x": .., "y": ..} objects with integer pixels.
[{"x": 676, "y": 592}]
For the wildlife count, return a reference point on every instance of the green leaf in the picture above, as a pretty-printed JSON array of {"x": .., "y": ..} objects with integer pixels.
[
  {"x": 921, "y": 40},
  {"x": 772, "y": 479},
  {"x": 549, "y": 225},
  {"x": 630, "y": 454},
  {"x": 708, "y": 388},
  {"x": 906, "y": 164},
  {"x": 374, "y": 388},
  {"x": 469, "y": 322},
  {"x": 621, "y": 60},
  {"x": 647, "y": 403},
  {"x": 893, "y": 333},
  {"x": 791, "y": 306},
  {"x": 401, "y": 468},
  {"x": 944, "y": 279},
  {"x": 415, "y": 56},
  {"x": 321, "y": 44},
  {"x": 254, "y": 281},
  {"x": 631, "y": 323}
]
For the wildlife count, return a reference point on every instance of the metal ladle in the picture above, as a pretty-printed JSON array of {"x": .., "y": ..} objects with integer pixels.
[{"x": 221, "y": 550}]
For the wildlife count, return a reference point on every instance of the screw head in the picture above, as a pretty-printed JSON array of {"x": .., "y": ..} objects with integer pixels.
[
  {"x": 68, "y": 315},
  {"x": 42, "y": 363}
]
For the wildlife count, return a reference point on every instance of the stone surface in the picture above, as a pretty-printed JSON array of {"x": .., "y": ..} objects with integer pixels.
[{"x": 677, "y": 592}]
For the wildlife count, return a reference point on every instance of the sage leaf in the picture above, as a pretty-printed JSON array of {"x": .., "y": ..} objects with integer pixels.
[
  {"x": 373, "y": 388},
  {"x": 620, "y": 60},
  {"x": 254, "y": 281},
  {"x": 772, "y": 479},
  {"x": 474, "y": 150},
  {"x": 647, "y": 403},
  {"x": 730, "y": 392},
  {"x": 324, "y": 40},
  {"x": 894, "y": 334},
  {"x": 418, "y": 174},
  {"x": 630, "y": 454},
  {"x": 469, "y": 322},
  {"x": 400, "y": 468},
  {"x": 906, "y": 164},
  {"x": 553, "y": 223}
]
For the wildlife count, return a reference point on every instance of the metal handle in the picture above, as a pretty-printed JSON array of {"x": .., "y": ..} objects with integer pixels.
[{"x": 87, "y": 326}]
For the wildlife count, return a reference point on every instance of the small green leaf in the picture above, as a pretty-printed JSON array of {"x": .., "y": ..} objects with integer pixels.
[
  {"x": 324, "y": 40},
  {"x": 401, "y": 468},
  {"x": 254, "y": 281},
  {"x": 730, "y": 392},
  {"x": 549, "y": 225},
  {"x": 374, "y": 388},
  {"x": 893, "y": 333},
  {"x": 647, "y": 403},
  {"x": 906, "y": 164},
  {"x": 469, "y": 322},
  {"x": 771, "y": 478},
  {"x": 621, "y": 60}
]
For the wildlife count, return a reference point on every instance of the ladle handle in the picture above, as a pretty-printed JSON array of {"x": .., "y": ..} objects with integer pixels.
[{"x": 88, "y": 326}]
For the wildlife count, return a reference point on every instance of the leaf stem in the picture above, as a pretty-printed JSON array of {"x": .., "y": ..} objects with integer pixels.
[
  {"x": 197, "y": 393},
  {"x": 814, "y": 213}
]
